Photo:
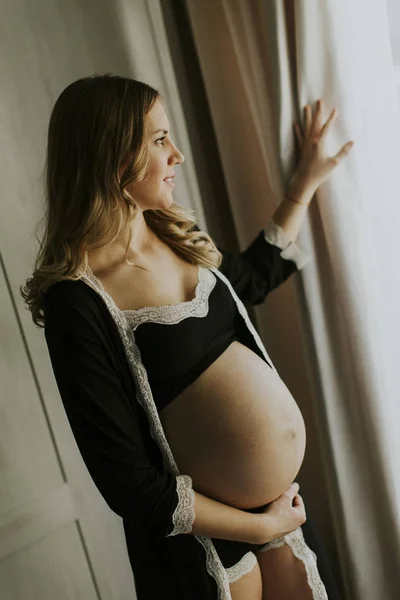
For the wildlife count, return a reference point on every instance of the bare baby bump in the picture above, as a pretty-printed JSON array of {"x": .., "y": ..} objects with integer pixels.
[{"x": 237, "y": 431}]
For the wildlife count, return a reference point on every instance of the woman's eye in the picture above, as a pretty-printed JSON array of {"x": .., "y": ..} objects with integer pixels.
[{"x": 161, "y": 140}]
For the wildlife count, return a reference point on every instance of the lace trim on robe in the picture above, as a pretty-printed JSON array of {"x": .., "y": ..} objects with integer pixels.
[
  {"x": 274, "y": 234},
  {"x": 244, "y": 566},
  {"x": 243, "y": 312},
  {"x": 184, "y": 514},
  {"x": 295, "y": 540}
]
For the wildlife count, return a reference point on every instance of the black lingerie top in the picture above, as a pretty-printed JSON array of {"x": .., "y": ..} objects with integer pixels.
[{"x": 177, "y": 343}]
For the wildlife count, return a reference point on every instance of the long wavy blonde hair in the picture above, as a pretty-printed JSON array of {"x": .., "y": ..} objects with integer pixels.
[{"x": 95, "y": 124}]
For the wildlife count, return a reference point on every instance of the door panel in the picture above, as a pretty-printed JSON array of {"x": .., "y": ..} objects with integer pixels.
[{"x": 53, "y": 567}]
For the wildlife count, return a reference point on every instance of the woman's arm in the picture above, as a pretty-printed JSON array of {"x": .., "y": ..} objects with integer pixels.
[
  {"x": 105, "y": 420},
  {"x": 291, "y": 212},
  {"x": 264, "y": 265},
  {"x": 217, "y": 520}
]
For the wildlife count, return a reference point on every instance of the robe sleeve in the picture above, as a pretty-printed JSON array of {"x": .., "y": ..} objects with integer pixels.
[
  {"x": 266, "y": 263},
  {"x": 105, "y": 425}
]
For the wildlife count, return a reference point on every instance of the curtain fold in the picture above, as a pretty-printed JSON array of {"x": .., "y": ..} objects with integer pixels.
[
  {"x": 359, "y": 214},
  {"x": 339, "y": 323}
]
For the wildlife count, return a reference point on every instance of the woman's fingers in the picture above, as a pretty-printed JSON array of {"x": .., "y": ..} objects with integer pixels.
[
  {"x": 307, "y": 119},
  {"x": 342, "y": 153},
  {"x": 329, "y": 123},
  {"x": 313, "y": 125},
  {"x": 298, "y": 133},
  {"x": 315, "y": 131},
  {"x": 317, "y": 123},
  {"x": 292, "y": 491},
  {"x": 298, "y": 500}
]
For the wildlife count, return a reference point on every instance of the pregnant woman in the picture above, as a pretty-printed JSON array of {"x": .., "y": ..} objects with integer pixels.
[{"x": 183, "y": 422}]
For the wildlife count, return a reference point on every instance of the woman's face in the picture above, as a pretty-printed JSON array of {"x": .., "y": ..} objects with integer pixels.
[{"x": 154, "y": 192}]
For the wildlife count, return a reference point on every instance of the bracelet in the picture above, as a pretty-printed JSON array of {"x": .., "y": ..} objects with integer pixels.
[{"x": 295, "y": 201}]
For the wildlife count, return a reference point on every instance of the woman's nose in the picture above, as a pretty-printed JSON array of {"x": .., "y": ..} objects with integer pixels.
[
  {"x": 181, "y": 157},
  {"x": 177, "y": 156}
]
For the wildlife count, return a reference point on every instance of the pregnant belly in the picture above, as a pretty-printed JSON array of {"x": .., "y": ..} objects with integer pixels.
[{"x": 237, "y": 431}]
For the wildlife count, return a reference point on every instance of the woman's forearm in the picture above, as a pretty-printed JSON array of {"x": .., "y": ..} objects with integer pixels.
[
  {"x": 218, "y": 520},
  {"x": 291, "y": 212}
]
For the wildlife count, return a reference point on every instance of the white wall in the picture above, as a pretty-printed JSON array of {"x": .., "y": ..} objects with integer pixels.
[{"x": 393, "y": 7}]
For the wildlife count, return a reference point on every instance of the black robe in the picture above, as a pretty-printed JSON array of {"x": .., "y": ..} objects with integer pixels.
[{"x": 115, "y": 428}]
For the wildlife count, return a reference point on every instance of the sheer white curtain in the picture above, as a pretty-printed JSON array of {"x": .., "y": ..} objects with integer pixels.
[{"x": 262, "y": 62}]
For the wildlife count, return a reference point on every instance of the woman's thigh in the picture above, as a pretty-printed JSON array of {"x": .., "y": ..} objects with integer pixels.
[
  {"x": 283, "y": 575},
  {"x": 249, "y": 586}
]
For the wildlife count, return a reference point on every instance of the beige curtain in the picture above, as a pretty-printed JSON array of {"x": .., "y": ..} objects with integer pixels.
[{"x": 338, "y": 334}]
